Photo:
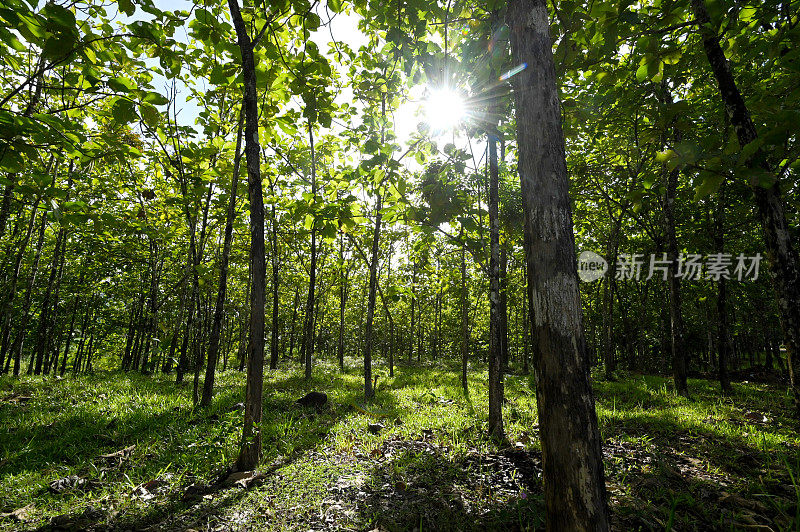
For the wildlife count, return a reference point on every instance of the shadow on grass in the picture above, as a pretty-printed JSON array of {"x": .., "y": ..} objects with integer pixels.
[
  {"x": 417, "y": 486},
  {"x": 289, "y": 432}
]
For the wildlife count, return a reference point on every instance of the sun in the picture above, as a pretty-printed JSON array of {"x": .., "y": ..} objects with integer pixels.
[{"x": 445, "y": 109}]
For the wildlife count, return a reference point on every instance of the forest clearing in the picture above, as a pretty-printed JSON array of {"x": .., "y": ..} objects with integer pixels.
[
  {"x": 708, "y": 463},
  {"x": 399, "y": 265}
]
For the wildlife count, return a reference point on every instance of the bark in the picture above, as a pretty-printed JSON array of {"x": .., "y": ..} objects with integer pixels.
[
  {"x": 274, "y": 353},
  {"x": 294, "y": 321},
  {"x": 526, "y": 326},
  {"x": 609, "y": 287},
  {"x": 784, "y": 262},
  {"x": 464, "y": 317},
  {"x": 722, "y": 311},
  {"x": 342, "y": 303},
  {"x": 495, "y": 324},
  {"x": 373, "y": 287},
  {"x": 504, "y": 356},
  {"x": 675, "y": 314},
  {"x": 573, "y": 475},
  {"x": 307, "y": 347},
  {"x": 250, "y": 453},
  {"x": 213, "y": 344}
]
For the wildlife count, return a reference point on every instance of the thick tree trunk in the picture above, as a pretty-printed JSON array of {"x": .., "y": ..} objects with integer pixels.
[
  {"x": 250, "y": 453},
  {"x": 495, "y": 321},
  {"x": 219, "y": 308},
  {"x": 573, "y": 476},
  {"x": 783, "y": 256}
]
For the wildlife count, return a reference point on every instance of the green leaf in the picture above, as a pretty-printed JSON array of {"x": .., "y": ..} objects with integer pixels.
[
  {"x": 123, "y": 111},
  {"x": 150, "y": 114},
  {"x": 126, "y": 6},
  {"x": 154, "y": 98},
  {"x": 641, "y": 72},
  {"x": 335, "y": 5}
]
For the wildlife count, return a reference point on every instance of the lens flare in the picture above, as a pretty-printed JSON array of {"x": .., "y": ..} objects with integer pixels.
[
  {"x": 514, "y": 71},
  {"x": 445, "y": 109}
]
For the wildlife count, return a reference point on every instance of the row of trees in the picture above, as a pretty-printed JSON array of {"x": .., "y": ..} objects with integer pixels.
[{"x": 129, "y": 237}]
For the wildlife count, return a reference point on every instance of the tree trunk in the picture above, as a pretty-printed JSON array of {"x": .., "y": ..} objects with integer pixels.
[
  {"x": 213, "y": 344},
  {"x": 464, "y": 317},
  {"x": 771, "y": 210},
  {"x": 573, "y": 476},
  {"x": 495, "y": 325},
  {"x": 250, "y": 453},
  {"x": 307, "y": 347},
  {"x": 273, "y": 360},
  {"x": 342, "y": 301},
  {"x": 675, "y": 311},
  {"x": 16, "y": 349},
  {"x": 11, "y": 287},
  {"x": 504, "y": 309},
  {"x": 373, "y": 288},
  {"x": 722, "y": 311}
]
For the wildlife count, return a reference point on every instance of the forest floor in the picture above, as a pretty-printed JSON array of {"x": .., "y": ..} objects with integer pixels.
[{"x": 127, "y": 452}]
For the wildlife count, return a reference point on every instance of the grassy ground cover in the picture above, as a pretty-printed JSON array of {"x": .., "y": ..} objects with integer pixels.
[{"x": 123, "y": 451}]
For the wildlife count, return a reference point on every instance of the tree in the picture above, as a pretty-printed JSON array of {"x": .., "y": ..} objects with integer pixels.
[
  {"x": 250, "y": 452},
  {"x": 571, "y": 447}
]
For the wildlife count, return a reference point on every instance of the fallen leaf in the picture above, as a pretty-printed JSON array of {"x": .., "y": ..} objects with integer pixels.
[{"x": 20, "y": 514}]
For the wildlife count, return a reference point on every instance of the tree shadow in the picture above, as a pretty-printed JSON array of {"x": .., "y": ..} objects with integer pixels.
[{"x": 415, "y": 484}]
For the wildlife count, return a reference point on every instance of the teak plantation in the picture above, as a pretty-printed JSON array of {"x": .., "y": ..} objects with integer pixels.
[{"x": 399, "y": 265}]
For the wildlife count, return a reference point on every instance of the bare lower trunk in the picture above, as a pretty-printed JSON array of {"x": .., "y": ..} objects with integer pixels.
[
  {"x": 373, "y": 288},
  {"x": 495, "y": 324},
  {"x": 573, "y": 475}
]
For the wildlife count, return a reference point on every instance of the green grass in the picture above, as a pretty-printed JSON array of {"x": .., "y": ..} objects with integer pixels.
[{"x": 701, "y": 463}]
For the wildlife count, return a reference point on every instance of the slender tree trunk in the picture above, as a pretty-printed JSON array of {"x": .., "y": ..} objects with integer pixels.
[
  {"x": 43, "y": 337},
  {"x": 783, "y": 255},
  {"x": 373, "y": 288},
  {"x": 16, "y": 349},
  {"x": 722, "y": 311},
  {"x": 342, "y": 302},
  {"x": 504, "y": 353},
  {"x": 526, "y": 326},
  {"x": 679, "y": 354},
  {"x": 273, "y": 361},
  {"x": 496, "y": 429},
  {"x": 573, "y": 475},
  {"x": 250, "y": 453},
  {"x": 464, "y": 316},
  {"x": 11, "y": 287},
  {"x": 294, "y": 321},
  {"x": 219, "y": 308},
  {"x": 75, "y": 308},
  {"x": 307, "y": 347},
  {"x": 609, "y": 287}
]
